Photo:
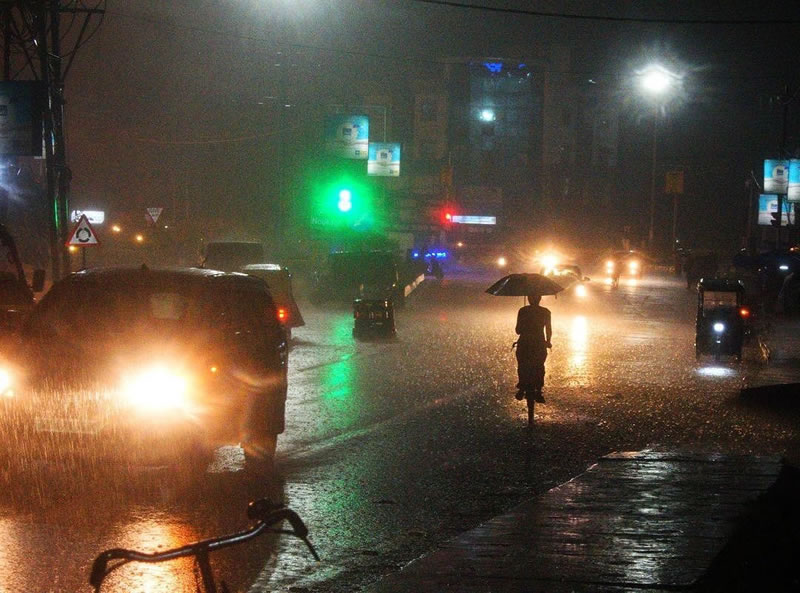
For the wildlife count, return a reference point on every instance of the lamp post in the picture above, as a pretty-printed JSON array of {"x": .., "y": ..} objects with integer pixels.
[{"x": 656, "y": 82}]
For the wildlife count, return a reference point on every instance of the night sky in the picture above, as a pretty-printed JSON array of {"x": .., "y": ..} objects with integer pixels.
[{"x": 179, "y": 104}]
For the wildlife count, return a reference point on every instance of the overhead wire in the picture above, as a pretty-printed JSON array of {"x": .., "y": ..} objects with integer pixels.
[
  {"x": 608, "y": 18},
  {"x": 357, "y": 53}
]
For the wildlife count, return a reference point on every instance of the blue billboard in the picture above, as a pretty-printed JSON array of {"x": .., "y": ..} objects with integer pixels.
[
  {"x": 793, "y": 194},
  {"x": 384, "y": 159},
  {"x": 767, "y": 205},
  {"x": 347, "y": 136},
  {"x": 776, "y": 176}
]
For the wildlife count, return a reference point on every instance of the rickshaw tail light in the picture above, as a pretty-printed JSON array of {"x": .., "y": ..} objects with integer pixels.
[
  {"x": 744, "y": 312},
  {"x": 283, "y": 314}
]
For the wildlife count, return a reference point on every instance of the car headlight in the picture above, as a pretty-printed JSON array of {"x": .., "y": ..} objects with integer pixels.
[
  {"x": 549, "y": 261},
  {"x": 633, "y": 266},
  {"x": 501, "y": 261},
  {"x": 157, "y": 389},
  {"x": 581, "y": 291},
  {"x": 719, "y": 327},
  {"x": 6, "y": 383}
]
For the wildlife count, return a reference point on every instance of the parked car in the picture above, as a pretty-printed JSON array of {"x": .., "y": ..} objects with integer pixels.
[{"x": 149, "y": 366}]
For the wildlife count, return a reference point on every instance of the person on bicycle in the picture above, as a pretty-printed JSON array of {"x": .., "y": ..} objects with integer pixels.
[{"x": 535, "y": 331}]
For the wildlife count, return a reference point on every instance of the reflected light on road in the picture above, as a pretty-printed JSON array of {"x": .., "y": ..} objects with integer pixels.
[
  {"x": 150, "y": 535},
  {"x": 633, "y": 282},
  {"x": 578, "y": 341},
  {"x": 716, "y": 372},
  {"x": 12, "y": 548}
]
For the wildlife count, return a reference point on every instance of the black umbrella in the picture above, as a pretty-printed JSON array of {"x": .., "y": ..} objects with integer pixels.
[{"x": 524, "y": 285}]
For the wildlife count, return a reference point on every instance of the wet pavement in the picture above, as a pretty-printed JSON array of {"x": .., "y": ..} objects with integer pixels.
[
  {"x": 646, "y": 520},
  {"x": 392, "y": 448}
]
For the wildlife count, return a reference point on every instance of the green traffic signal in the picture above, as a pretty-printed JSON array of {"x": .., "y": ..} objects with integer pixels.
[{"x": 345, "y": 200}]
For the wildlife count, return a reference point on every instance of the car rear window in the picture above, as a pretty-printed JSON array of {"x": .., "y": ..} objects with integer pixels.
[
  {"x": 714, "y": 299},
  {"x": 95, "y": 308}
]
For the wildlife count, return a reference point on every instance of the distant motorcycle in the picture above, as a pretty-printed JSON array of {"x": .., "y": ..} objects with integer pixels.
[{"x": 436, "y": 270}]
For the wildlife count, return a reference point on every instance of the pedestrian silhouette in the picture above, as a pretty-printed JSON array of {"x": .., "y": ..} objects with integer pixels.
[{"x": 535, "y": 330}]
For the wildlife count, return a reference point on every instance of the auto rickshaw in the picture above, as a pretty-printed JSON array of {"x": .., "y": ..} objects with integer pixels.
[
  {"x": 721, "y": 318},
  {"x": 373, "y": 317}
]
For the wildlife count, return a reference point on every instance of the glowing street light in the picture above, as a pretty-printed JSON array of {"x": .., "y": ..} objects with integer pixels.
[
  {"x": 116, "y": 228},
  {"x": 139, "y": 238},
  {"x": 487, "y": 115},
  {"x": 657, "y": 82}
]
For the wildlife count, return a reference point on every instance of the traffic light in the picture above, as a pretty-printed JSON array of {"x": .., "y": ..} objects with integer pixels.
[
  {"x": 345, "y": 200},
  {"x": 342, "y": 202}
]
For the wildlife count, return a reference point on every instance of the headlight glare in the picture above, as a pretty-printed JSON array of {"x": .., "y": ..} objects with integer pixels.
[
  {"x": 157, "y": 389},
  {"x": 719, "y": 327},
  {"x": 6, "y": 383}
]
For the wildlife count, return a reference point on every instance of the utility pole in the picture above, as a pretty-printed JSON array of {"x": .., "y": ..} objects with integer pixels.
[
  {"x": 651, "y": 232},
  {"x": 32, "y": 34}
]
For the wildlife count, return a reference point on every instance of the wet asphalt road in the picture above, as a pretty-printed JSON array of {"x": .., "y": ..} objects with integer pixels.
[{"x": 393, "y": 447}]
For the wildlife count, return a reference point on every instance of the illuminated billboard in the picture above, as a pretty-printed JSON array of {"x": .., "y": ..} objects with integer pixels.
[
  {"x": 347, "y": 136},
  {"x": 21, "y": 118},
  {"x": 776, "y": 176},
  {"x": 384, "y": 159},
  {"x": 767, "y": 205},
  {"x": 461, "y": 219},
  {"x": 793, "y": 194}
]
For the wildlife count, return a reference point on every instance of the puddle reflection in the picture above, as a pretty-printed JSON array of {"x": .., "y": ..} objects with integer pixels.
[{"x": 577, "y": 363}]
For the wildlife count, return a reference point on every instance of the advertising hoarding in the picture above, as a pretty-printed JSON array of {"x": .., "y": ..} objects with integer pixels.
[
  {"x": 347, "y": 136},
  {"x": 793, "y": 194},
  {"x": 384, "y": 159},
  {"x": 470, "y": 219},
  {"x": 776, "y": 176},
  {"x": 21, "y": 105},
  {"x": 93, "y": 216},
  {"x": 767, "y": 204}
]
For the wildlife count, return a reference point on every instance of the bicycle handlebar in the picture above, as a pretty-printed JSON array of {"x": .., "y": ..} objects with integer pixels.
[{"x": 263, "y": 511}]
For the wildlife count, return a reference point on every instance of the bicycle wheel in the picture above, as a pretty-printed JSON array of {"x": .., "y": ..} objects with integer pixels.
[{"x": 531, "y": 404}]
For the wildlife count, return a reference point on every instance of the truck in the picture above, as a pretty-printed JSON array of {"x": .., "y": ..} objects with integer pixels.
[{"x": 348, "y": 275}]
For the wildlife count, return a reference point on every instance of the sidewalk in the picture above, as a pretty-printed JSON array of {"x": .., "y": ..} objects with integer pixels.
[{"x": 651, "y": 521}]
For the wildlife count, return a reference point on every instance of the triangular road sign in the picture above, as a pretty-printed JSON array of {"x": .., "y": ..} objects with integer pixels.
[
  {"x": 83, "y": 234},
  {"x": 153, "y": 214}
]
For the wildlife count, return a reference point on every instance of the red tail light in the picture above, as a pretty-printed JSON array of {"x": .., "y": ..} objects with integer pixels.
[
  {"x": 283, "y": 315},
  {"x": 744, "y": 312}
]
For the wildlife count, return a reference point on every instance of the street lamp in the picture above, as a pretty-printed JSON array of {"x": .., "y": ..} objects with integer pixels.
[{"x": 657, "y": 82}]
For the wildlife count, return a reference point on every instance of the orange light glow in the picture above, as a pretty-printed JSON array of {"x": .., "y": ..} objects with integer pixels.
[
  {"x": 283, "y": 315},
  {"x": 744, "y": 312},
  {"x": 72, "y": 249},
  {"x": 213, "y": 369},
  {"x": 139, "y": 238}
]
